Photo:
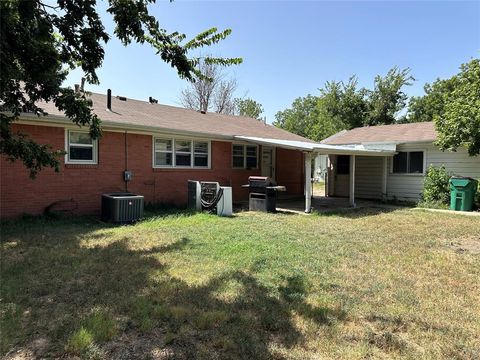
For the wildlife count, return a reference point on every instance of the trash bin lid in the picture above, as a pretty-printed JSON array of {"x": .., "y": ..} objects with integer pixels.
[{"x": 461, "y": 181}]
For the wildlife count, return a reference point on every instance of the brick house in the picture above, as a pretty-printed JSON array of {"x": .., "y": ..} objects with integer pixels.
[{"x": 163, "y": 146}]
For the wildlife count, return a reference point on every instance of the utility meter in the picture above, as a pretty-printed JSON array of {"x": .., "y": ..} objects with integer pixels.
[{"x": 127, "y": 175}]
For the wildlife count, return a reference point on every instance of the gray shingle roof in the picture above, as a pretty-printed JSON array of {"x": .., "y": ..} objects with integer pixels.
[
  {"x": 414, "y": 132},
  {"x": 145, "y": 114}
]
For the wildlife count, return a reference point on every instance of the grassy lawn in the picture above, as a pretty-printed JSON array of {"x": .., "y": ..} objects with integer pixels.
[
  {"x": 361, "y": 284},
  {"x": 318, "y": 189}
]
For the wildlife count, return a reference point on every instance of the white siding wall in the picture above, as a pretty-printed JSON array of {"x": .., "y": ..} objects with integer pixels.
[
  {"x": 368, "y": 177},
  {"x": 410, "y": 187}
]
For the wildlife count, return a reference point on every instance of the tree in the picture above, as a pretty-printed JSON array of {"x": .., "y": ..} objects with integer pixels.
[
  {"x": 344, "y": 106},
  {"x": 210, "y": 91},
  {"x": 387, "y": 99},
  {"x": 40, "y": 42},
  {"x": 301, "y": 118},
  {"x": 458, "y": 123},
  {"x": 249, "y": 107},
  {"x": 424, "y": 108},
  {"x": 340, "y": 106}
]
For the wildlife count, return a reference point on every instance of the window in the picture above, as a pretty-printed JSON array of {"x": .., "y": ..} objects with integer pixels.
[
  {"x": 181, "y": 153},
  {"x": 81, "y": 148},
  {"x": 238, "y": 152},
  {"x": 343, "y": 164},
  {"x": 163, "y": 152},
  {"x": 408, "y": 162},
  {"x": 244, "y": 156},
  {"x": 200, "y": 154},
  {"x": 251, "y": 157}
]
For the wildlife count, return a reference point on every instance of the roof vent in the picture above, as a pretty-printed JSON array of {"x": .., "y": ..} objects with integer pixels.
[
  {"x": 151, "y": 100},
  {"x": 122, "y": 98},
  {"x": 109, "y": 100}
]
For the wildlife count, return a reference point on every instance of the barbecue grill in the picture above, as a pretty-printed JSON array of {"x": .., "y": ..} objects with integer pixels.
[{"x": 262, "y": 193}]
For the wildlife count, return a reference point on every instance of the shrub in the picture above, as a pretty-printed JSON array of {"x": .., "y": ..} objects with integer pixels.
[{"x": 436, "y": 188}]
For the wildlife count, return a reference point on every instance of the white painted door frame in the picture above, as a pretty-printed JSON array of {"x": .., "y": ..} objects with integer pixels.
[{"x": 269, "y": 169}]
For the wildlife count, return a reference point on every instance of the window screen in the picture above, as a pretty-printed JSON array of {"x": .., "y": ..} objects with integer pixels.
[
  {"x": 343, "y": 164},
  {"x": 238, "y": 156},
  {"x": 408, "y": 162},
  {"x": 200, "y": 154},
  {"x": 251, "y": 157},
  {"x": 81, "y": 147},
  {"x": 183, "y": 153},
  {"x": 400, "y": 163},
  {"x": 163, "y": 152},
  {"x": 415, "y": 165}
]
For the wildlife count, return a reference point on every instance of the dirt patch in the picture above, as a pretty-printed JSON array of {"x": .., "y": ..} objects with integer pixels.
[
  {"x": 466, "y": 245},
  {"x": 34, "y": 350}
]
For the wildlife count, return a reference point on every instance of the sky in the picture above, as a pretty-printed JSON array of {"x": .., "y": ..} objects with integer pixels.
[{"x": 291, "y": 48}]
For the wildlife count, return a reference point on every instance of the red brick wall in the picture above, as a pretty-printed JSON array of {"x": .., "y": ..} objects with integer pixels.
[
  {"x": 79, "y": 187},
  {"x": 290, "y": 170}
]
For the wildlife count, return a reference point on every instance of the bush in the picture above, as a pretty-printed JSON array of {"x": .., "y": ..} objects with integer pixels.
[{"x": 436, "y": 188}]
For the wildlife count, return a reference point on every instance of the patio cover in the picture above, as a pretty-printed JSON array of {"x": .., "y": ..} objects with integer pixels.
[
  {"x": 322, "y": 149},
  {"x": 311, "y": 147}
]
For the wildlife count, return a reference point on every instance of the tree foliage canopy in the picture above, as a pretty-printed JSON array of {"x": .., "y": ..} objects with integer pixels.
[
  {"x": 458, "y": 123},
  {"x": 454, "y": 105},
  {"x": 248, "y": 107},
  {"x": 41, "y": 42},
  {"x": 343, "y": 105},
  {"x": 301, "y": 118},
  {"x": 387, "y": 99}
]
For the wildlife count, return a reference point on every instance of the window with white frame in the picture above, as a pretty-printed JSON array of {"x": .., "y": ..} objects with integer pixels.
[
  {"x": 244, "y": 156},
  {"x": 200, "y": 154},
  {"x": 408, "y": 162},
  {"x": 163, "y": 152},
  {"x": 81, "y": 148},
  {"x": 181, "y": 153}
]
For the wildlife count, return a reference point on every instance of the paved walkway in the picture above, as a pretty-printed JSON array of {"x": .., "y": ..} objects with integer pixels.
[
  {"x": 452, "y": 212},
  {"x": 327, "y": 204}
]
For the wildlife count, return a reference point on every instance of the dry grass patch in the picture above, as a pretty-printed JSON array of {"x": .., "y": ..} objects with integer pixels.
[{"x": 368, "y": 283}]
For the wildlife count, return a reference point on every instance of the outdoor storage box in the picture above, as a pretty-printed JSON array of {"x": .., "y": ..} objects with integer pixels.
[
  {"x": 462, "y": 193},
  {"x": 122, "y": 207}
]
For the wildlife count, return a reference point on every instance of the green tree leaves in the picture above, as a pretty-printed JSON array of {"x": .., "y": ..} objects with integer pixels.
[
  {"x": 249, "y": 108},
  {"x": 387, "y": 99},
  {"x": 458, "y": 123},
  {"x": 342, "y": 105},
  {"x": 301, "y": 118},
  {"x": 41, "y": 40}
]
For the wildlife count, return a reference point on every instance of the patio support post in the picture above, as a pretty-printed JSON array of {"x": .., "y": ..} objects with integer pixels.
[
  {"x": 384, "y": 178},
  {"x": 352, "y": 180},
  {"x": 308, "y": 182}
]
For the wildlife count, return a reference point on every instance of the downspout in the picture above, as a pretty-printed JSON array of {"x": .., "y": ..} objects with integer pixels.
[{"x": 126, "y": 162}]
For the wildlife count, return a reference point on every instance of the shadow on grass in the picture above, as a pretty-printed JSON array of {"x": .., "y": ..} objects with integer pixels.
[
  {"x": 52, "y": 282},
  {"x": 355, "y": 213}
]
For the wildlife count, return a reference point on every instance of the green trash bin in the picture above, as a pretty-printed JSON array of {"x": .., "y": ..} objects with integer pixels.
[{"x": 462, "y": 193}]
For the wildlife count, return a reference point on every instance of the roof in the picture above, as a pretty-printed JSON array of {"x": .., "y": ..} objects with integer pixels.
[
  {"x": 136, "y": 113},
  {"x": 320, "y": 148},
  {"x": 399, "y": 133}
]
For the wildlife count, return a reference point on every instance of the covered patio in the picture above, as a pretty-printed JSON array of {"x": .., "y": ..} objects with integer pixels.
[{"x": 310, "y": 150}]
